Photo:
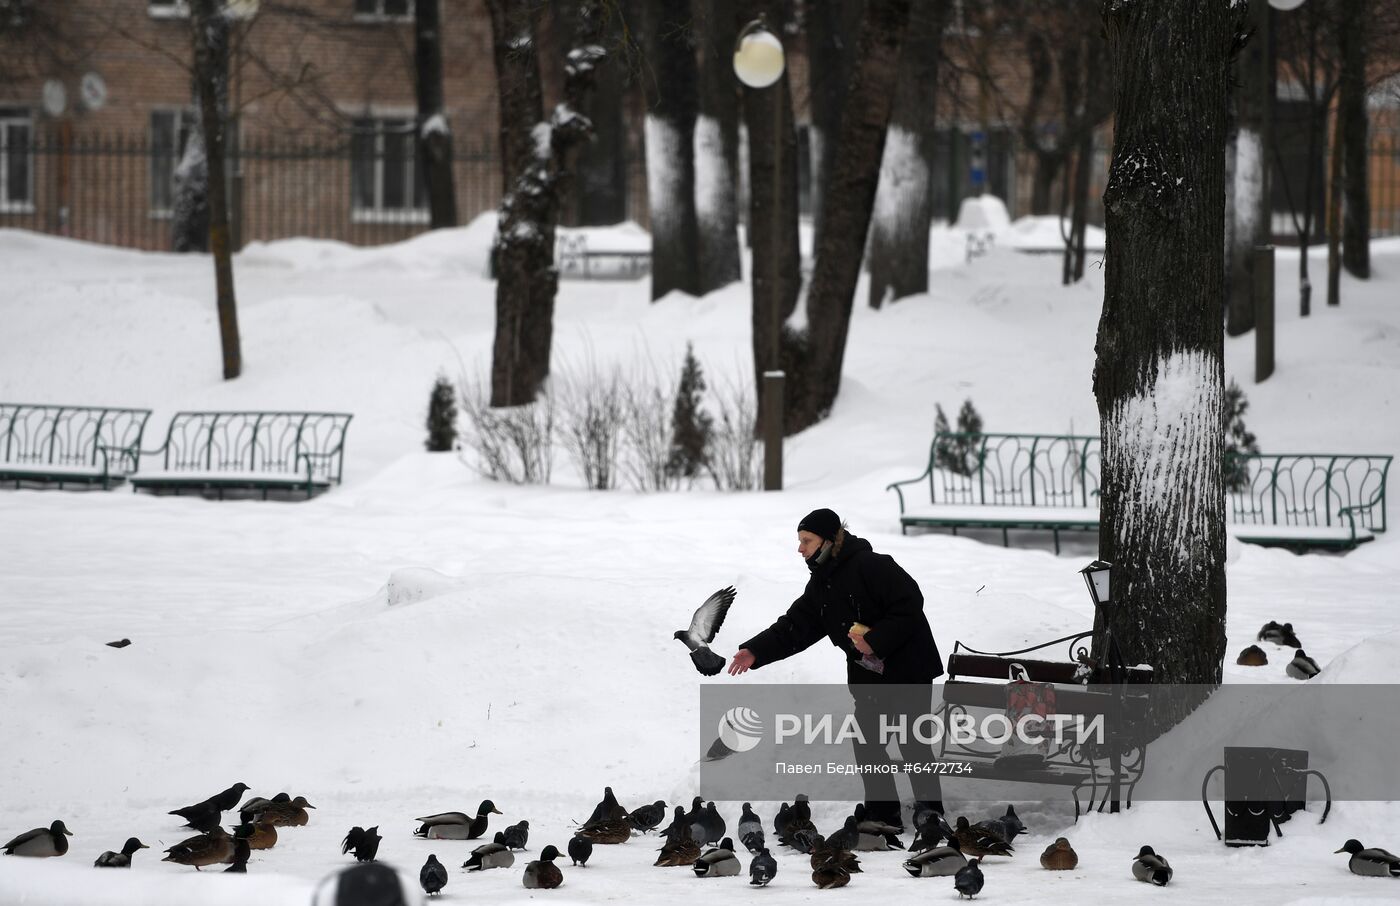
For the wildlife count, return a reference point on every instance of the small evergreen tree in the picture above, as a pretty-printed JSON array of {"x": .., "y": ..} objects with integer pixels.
[
  {"x": 691, "y": 427},
  {"x": 1238, "y": 438},
  {"x": 957, "y": 452},
  {"x": 442, "y": 417}
]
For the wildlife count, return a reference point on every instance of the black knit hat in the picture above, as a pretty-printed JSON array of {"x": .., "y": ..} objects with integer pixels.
[{"x": 822, "y": 523}]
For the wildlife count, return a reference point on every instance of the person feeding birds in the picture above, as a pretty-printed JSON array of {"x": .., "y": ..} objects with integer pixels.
[{"x": 865, "y": 604}]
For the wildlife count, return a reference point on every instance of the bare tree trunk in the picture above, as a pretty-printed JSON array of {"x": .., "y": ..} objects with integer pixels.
[
  {"x": 899, "y": 227},
  {"x": 1047, "y": 160},
  {"x": 831, "y": 33},
  {"x": 1356, "y": 228},
  {"x": 670, "y": 142},
  {"x": 1334, "y": 216},
  {"x": 601, "y": 183},
  {"x": 1072, "y": 86},
  {"x": 772, "y": 153},
  {"x": 1159, "y": 372},
  {"x": 1250, "y": 215},
  {"x": 526, "y": 280},
  {"x": 717, "y": 151},
  {"x": 210, "y": 29},
  {"x": 434, "y": 133},
  {"x": 813, "y": 358}
]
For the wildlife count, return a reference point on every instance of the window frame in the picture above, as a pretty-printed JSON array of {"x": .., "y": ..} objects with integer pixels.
[
  {"x": 417, "y": 211},
  {"x": 16, "y": 114}
]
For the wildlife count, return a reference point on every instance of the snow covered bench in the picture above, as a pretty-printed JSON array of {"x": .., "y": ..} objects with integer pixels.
[
  {"x": 979, "y": 679},
  {"x": 613, "y": 252},
  {"x": 69, "y": 445},
  {"x": 1051, "y": 482},
  {"x": 213, "y": 453}
]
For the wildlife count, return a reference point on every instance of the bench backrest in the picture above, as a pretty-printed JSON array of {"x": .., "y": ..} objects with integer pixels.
[
  {"x": 1307, "y": 489},
  {"x": 261, "y": 442},
  {"x": 1014, "y": 469},
  {"x": 44, "y": 435},
  {"x": 1049, "y": 470}
]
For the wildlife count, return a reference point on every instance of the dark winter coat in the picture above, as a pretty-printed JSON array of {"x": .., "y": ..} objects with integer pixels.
[{"x": 857, "y": 585}]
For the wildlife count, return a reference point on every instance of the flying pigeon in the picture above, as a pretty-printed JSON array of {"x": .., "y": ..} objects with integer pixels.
[{"x": 703, "y": 628}]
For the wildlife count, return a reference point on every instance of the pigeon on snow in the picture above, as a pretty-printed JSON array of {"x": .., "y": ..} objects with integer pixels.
[{"x": 703, "y": 628}]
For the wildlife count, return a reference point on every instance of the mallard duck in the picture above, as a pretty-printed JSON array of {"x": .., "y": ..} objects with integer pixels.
[
  {"x": 607, "y": 830},
  {"x": 678, "y": 851},
  {"x": 204, "y": 849},
  {"x": 978, "y": 841},
  {"x": 41, "y": 842},
  {"x": 432, "y": 876},
  {"x": 248, "y": 811},
  {"x": 580, "y": 848},
  {"x": 364, "y": 841},
  {"x": 1278, "y": 635},
  {"x": 1374, "y": 862},
  {"x": 542, "y": 873},
  {"x": 719, "y": 862},
  {"x": 830, "y": 875},
  {"x": 285, "y": 814},
  {"x": 937, "y": 862},
  {"x": 122, "y": 859},
  {"x": 1302, "y": 667},
  {"x": 969, "y": 879},
  {"x": 456, "y": 825},
  {"x": 259, "y": 834},
  {"x": 647, "y": 817},
  {"x": 874, "y": 835},
  {"x": 1150, "y": 867},
  {"x": 490, "y": 855},
  {"x": 1059, "y": 856},
  {"x": 824, "y": 854},
  {"x": 239, "y": 858},
  {"x": 1253, "y": 656},
  {"x": 763, "y": 868}
]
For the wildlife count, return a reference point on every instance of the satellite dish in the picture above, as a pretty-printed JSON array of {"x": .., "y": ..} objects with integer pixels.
[
  {"x": 54, "y": 98},
  {"x": 93, "y": 89}
]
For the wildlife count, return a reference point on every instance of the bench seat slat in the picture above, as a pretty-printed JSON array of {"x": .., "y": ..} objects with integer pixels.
[{"x": 225, "y": 479}]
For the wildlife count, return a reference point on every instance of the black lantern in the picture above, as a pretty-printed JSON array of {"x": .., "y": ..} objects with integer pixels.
[{"x": 1097, "y": 576}]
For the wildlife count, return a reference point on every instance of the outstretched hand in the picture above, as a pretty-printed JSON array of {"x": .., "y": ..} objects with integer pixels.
[
  {"x": 861, "y": 644},
  {"x": 743, "y": 661}
]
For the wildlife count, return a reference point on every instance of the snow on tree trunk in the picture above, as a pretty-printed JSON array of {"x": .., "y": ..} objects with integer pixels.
[
  {"x": 813, "y": 354},
  {"x": 1158, "y": 378},
  {"x": 189, "y": 204},
  {"x": 434, "y": 134},
  {"x": 716, "y": 151},
  {"x": 670, "y": 130},
  {"x": 526, "y": 278},
  {"x": 899, "y": 227}
]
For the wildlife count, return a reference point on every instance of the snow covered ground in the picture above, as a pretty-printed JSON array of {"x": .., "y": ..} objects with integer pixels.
[{"x": 421, "y": 639}]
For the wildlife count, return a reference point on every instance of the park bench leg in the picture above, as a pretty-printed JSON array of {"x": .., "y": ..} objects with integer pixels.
[
  {"x": 1005, "y": 538},
  {"x": 1056, "y": 533}
]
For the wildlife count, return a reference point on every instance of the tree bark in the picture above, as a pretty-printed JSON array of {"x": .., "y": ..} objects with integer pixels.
[
  {"x": 773, "y": 203},
  {"x": 1159, "y": 373},
  {"x": 526, "y": 279},
  {"x": 1356, "y": 223},
  {"x": 831, "y": 31},
  {"x": 899, "y": 228},
  {"x": 210, "y": 29},
  {"x": 670, "y": 142},
  {"x": 813, "y": 358},
  {"x": 434, "y": 133},
  {"x": 1334, "y": 216},
  {"x": 601, "y": 181},
  {"x": 1250, "y": 209},
  {"x": 717, "y": 151}
]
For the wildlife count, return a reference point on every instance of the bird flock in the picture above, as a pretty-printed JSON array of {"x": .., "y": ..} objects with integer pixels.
[{"x": 1301, "y": 667}]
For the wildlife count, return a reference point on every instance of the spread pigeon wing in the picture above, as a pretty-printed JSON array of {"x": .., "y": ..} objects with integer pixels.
[{"x": 709, "y": 617}]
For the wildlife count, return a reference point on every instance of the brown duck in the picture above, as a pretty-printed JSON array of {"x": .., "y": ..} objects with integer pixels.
[
  {"x": 1253, "y": 656},
  {"x": 831, "y": 873},
  {"x": 607, "y": 830},
  {"x": 543, "y": 873},
  {"x": 1059, "y": 856},
  {"x": 978, "y": 841},
  {"x": 203, "y": 849},
  {"x": 824, "y": 855},
  {"x": 285, "y": 814},
  {"x": 259, "y": 834},
  {"x": 681, "y": 850}
]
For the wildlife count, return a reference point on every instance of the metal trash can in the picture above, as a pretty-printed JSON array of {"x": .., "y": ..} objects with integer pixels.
[{"x": 1264, "y": 786}]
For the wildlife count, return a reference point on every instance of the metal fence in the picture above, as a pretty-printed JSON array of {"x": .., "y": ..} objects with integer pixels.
[{"x": 364, "y": 189}]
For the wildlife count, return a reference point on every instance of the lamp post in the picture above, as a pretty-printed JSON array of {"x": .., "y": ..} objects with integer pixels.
[
  {"x": 758, "y": 63},
  {"x": 1098, "y": 576}
]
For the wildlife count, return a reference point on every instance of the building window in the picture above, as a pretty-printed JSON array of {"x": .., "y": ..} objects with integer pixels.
[
  {"x": 386, "y": 182},
  {"x": 170, "y": 130},
  {"x": 16, "y": 160},
  {"x": 383, "y": 9},
  {"x": 167, "y": 9}
]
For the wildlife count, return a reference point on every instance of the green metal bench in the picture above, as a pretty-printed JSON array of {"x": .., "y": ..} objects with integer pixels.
[
  {"x": 86, "y": 446},
  {"x": 215, "y": 453},
  {"x": 1051, "y": 482}
]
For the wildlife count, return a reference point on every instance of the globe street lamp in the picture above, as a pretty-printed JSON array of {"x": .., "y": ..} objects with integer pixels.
[{"x": 758, "y": 63}]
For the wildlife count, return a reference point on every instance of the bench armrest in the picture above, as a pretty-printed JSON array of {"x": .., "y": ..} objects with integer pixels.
[{"x": 897, "y": 485}]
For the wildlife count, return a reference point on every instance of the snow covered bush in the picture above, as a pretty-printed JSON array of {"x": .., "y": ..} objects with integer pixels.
[
  {"x": 595, "y": 411},
  {"x": 513, "y": 444},
  {"x": 736, "y": 461},
  {"x": 958, "y": 454},
  {"x": 442, "y": 417},
  {"x": 647, "y": 432}
]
